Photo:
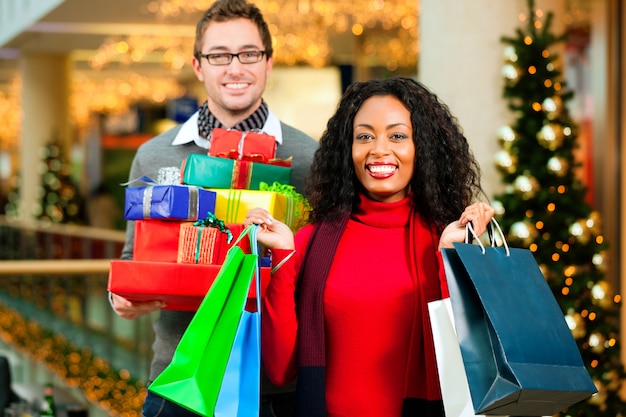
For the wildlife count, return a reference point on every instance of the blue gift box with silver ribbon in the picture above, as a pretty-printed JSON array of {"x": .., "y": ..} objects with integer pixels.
[{"x": 168, "y": 202}]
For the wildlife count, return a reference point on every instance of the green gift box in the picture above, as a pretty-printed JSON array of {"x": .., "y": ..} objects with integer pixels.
[{"x": 223, "y": 173}]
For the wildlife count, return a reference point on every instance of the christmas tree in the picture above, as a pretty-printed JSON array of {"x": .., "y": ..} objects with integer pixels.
[
  {"x": 61, "y": 201},
  {"x": 543, "y": 206}
]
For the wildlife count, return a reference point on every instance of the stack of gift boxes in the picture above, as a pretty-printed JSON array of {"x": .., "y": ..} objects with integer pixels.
[{"x": 183, "y": 231}]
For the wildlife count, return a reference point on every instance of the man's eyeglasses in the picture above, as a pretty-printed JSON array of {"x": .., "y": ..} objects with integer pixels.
[{"x": 225, "y": 58}]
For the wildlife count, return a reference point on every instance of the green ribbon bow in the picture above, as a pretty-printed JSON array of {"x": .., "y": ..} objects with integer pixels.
[
  {"x": 289, "y": 191},
  {"x": 212, "y": 221}
]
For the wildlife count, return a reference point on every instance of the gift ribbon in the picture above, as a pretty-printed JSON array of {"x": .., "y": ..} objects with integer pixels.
[
  {"x": 232, "y": 206},
  {"x": 211, "y": 220},
  {"x": 252, "y": 157},
  {"x": 147, "y": 201},
  {"x": 242, "y": 174},
  {"x": 193, "y": 203},
  {"x": 234, "y": 179},
  {"x": 241, "y": 144},
  {"x": 290, "y": 217},
  {"x": 198, "y": 242}
]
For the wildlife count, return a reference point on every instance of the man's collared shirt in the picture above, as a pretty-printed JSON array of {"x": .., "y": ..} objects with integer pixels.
[{"x": 189, "y": 131}]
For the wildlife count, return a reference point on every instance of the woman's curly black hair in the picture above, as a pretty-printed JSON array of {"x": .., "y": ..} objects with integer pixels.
[{"x": 446, "y": 178}]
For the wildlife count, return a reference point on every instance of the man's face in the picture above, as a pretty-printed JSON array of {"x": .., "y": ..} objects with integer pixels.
[{"x": 234, "y": 90}]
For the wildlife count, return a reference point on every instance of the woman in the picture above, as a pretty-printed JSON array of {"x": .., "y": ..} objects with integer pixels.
[{"x": 392, "y": 182}]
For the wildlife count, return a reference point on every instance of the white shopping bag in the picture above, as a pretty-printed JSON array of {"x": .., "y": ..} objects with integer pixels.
[{"x": 457, "y": 401}]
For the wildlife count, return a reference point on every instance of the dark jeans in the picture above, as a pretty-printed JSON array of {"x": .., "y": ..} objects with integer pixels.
[{"x": 280, "y": 405}]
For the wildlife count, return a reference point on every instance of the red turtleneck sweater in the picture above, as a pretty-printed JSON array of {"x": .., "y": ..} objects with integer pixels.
[{"x": 370, "y": 306}]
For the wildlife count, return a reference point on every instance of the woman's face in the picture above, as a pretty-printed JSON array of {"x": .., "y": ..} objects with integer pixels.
[{"x": 383, "y": 151}]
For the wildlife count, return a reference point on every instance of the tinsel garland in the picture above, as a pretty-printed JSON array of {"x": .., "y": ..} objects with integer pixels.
[{"x": 113, "y": 390}]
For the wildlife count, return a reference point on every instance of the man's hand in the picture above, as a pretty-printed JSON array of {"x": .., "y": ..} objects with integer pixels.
[{"x": 133, "y": 309}]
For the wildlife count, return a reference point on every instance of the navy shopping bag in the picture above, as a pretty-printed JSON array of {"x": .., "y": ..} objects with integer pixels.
[{"x": 519, "y": 354}]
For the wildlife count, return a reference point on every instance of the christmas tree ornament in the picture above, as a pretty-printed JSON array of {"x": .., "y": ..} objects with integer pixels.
[
  {"x": 601, "y": 294},
  {"x": 558, "y": 166},
  {"x": 510, "y": 72},
  {"x": 55, "y": 165},
  {"x": 594, "y": 222},
  {"x": 523, "y": 232},
  {"x": 596, "y": 342},
  {"x": 37, "y": 210},
  {"x": 552, "y": 107},
  {"x": 506, "y": 136},
  {"x": 567, "y": 131},
  {"x": 55, "y": 213},
  {"x": 551, "y": 136},
  {"x": 580, "y": 232},
  {"x": 599, "y": 261},
  {"x": 505, "y": 162},
  {"x": 510, "y": 55},
  {"x": 526, "y": 185},
  {"x": 576, "y": 324},
  {"x": 498, "y": 207}
]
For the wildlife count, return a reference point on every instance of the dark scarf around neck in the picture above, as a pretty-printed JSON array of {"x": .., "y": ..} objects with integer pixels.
[{"x": 207, "y": 121}]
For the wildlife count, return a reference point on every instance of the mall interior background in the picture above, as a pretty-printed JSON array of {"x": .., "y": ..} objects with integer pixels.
[{"x": 118, "y": 72}]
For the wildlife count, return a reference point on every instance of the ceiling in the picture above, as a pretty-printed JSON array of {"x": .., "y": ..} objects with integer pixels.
[
  {"x": 84, "y": 24},
  {"x": 79, "y": 27}
]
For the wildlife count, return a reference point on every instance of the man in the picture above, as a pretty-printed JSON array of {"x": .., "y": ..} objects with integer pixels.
[{"x": 233, "y": 59}]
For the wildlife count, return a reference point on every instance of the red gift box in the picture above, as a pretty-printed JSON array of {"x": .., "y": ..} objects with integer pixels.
[
  {"x": 235, "y": 144},
  {"x": 204, "y": 245},
  {"x": 180, "y": 286},
  {"x": 157, "y": 240}
]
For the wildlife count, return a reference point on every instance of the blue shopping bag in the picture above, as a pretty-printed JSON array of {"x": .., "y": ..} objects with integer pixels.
[
  {"x": 519, "y": 354},
  {"x": 239, "y": 394}
]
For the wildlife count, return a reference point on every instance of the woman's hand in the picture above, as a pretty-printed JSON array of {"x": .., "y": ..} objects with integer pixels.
[
  {"x": 480, "y": 214},
  {"x": 272, "y": 233}
]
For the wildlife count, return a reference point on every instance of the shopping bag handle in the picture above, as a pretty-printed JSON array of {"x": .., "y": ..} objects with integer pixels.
[
  {"x": 469, "y": 229},
  {"x": 254, "y": 249},
  {"x": 254, "y": 245},
  {"x": 245, "y": 232}
]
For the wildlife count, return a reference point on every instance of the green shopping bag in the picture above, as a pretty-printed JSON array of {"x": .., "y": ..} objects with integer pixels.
[{"x": 193, "y": 378}]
